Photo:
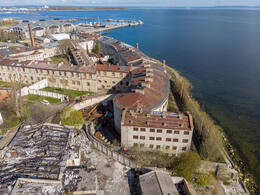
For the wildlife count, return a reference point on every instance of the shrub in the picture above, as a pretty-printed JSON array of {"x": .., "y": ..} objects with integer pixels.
[
  {"x": 203, "y": 179},
  {"x": 186, "y": 164},
  {"x": 71, "y": 117}
]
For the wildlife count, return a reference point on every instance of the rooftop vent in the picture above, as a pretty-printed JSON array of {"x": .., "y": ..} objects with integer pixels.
[{"x": 163, "y": 115}]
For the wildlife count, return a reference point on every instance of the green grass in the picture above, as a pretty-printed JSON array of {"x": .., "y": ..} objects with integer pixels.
[
  {"x": 31, "y": 99},
  {"x": 5, "y": 84},
  {"x": 58, "y": 59},
  {"x": 71, "y": 93}
]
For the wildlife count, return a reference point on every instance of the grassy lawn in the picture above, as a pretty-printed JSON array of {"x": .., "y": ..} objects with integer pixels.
[
  {"x": 31, "y": 99},
  {"x": 4, "y": 84},
  {"x": 71, "y": 93},
  {"x": 58, "y": 59}
]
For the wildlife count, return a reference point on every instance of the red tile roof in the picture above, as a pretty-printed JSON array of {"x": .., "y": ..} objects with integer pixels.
[{"x": 158, "y": 120}]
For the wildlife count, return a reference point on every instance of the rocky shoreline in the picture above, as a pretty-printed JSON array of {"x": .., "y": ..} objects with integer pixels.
[{"x": 231, "y": 154}]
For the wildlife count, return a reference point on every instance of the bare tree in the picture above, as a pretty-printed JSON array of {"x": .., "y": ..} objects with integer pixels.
[{"x": 16, "y": 87}]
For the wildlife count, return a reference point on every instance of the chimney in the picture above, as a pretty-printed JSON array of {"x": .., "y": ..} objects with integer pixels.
[
  {"x": 137, "y": 45},
  {"x": 31, "y": 35},
  {"x": 164, "y": 62}
]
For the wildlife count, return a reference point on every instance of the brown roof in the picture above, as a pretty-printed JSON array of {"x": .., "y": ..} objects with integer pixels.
[
  {"x": 165, "y": 120},
  {"x": 112, "y": 68},
  {"x": 149, "y": 87},
  {"x": 4, "y": 94},
  {"x": 49, "y": 66}
]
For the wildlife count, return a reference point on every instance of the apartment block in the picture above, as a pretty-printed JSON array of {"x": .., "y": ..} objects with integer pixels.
[{"x": 169, "y": 132}]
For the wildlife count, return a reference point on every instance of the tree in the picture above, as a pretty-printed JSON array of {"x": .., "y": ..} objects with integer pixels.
[
  {"x": 87, "y": 50},
  {"x": 16, "y": 85},
  {"x": 96, "y": 49},
  {"x": 71, "y": 117},
  {"x": 186, "y": 164}
]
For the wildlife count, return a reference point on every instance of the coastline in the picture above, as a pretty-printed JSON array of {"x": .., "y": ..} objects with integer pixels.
[{"x": 230, "y": 152}]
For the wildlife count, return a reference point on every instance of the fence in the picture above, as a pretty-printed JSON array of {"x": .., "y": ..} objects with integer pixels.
[
  {"x": 47, "y": 94},
  {"x": 91, "y": 101},
  {"x": 106, "y": 149}
]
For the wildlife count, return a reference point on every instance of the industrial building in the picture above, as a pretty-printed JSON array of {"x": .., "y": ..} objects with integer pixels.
[{"x": 42, "y": 28}]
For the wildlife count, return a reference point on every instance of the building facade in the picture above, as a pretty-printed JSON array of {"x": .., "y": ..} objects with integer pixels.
[
  {"x": 169, "y": 132},
  {"x": 94, "y": 79}
]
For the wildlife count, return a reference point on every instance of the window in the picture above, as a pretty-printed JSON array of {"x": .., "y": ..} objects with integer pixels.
[
  {"x": 151, "y": 146},
  {"x": 151, "y": 138},
  {"x": 169, "y": 131},
  {"x": 183, "y": 148},
  {"x": 175, "y": 140},
  {"x": 158, "y": 147},
  {"x": 142, "y": 129},
  {"x": 135, "y": 137},
  {"x": 167, "y": 147},
  {"x": 88, "y": 84},
  {"x": 158, "y": 138},
  {"x": 152, "y": 130},
  {"x": 168, "y": 139},
  {"x": 174, "y": 147},
  {"x": 78, "y": 82},
  {"x": 135, "y": 129},
  {"x": 141, "y": 145},
  {"x": 176, "y": 132},
  {"x": 142, "y": 137},
  {"x": 73, "y": 82},
  {"x": 135, "y": 144},
  {"x": 186, "y": 133},
  {"x": 159, "y": 131},
  {"x": 185, "y": 140}
]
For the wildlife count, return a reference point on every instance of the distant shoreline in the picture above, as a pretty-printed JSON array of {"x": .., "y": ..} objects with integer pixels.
[{"x": 70, "y": 8}]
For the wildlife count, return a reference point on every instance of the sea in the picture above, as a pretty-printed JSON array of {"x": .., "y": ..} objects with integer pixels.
[{"x": 218, "y": 50}]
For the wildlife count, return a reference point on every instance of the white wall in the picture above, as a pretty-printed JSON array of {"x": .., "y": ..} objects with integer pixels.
[
  {"x": 37, "y": 86},
  {"x": 1, "y": 119},
  {"x": 90, "y": 102}
]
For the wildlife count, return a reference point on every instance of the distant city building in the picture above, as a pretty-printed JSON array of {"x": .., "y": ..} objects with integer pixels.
[
  {"x": 43, "y": 28},
  {"x": 59, "y": 37}
]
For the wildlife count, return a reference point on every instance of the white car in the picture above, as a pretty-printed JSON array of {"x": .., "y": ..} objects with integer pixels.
[{"x": 45, "y": 102}]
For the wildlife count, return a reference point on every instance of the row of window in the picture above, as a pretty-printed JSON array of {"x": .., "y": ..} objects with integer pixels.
[
  {"x": 152, "y": 146},
  {"x": 160, "y": 131},
  {"x": 51, "y": 72},
  {"x": 105, "y": 74},
  {"x": 160, "y": 139}
]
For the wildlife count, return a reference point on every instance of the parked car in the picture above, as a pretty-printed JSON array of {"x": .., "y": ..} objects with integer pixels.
[{"x": 45, "y": 102}]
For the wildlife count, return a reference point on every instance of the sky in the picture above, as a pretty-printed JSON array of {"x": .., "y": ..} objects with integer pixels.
[{"x": 155, "y": 3}]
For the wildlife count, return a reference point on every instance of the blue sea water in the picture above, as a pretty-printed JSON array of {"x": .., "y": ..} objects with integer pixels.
[{"x": 218, "y": 50}]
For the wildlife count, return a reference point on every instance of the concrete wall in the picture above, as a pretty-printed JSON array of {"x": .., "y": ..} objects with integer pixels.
[
  {"x": 90, "y": 102},
  {"x": 47, "y": 94},
  {"x": 37, "y": 86},
  {"x": 1, "y": 119},
  {"x": 106, "y": 149}
]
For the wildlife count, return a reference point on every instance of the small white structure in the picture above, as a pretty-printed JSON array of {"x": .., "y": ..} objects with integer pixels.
[
  {"x": 59, "y": 37},
  {"x": 1, "y": 119}
]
